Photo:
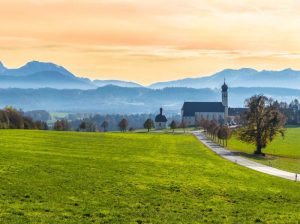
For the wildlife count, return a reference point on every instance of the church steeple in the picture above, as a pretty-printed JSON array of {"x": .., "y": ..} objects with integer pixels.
[
  {"x": 224, "y": 86},
  {"x": 225, "y": 97}
]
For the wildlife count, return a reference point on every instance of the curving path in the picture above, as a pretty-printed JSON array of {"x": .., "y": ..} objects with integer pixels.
[{"x": 244, "y": 162}]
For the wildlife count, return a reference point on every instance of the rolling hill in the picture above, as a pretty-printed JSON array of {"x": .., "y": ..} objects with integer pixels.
[
  {"x": 101, "y": 83},
  {"x": 114, "y": 99}
]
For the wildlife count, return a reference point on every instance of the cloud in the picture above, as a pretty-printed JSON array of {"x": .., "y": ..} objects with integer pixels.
[{"x": 151, "y": 40}]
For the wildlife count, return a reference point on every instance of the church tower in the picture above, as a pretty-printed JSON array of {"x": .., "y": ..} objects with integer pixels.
[{"x": 225, "y": 98}]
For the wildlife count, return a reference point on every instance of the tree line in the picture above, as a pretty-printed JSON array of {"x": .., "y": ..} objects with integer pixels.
[
  {"x": 217, "y": 131},
  {"x": 135, "y": 121},
  {"x": 291, "y": 111},
  {"x": 87, "y": 125},
  {"x": 11, "y": 118}
]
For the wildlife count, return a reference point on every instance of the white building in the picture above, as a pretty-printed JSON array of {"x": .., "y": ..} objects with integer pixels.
[{"x": 193, "y": 112}]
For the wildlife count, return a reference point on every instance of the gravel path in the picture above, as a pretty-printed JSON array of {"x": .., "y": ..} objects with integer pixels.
[{"x": 243, "y": 161}]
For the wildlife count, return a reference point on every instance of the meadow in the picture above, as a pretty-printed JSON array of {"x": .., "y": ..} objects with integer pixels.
[
  {"x": 69, "y": 177},
  {"x": 283, "y": 153}
]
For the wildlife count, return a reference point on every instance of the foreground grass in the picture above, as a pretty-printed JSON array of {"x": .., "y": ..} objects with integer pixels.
[
  {"x": 51, "y": 177},
  {"x": 285, "y": 151}
]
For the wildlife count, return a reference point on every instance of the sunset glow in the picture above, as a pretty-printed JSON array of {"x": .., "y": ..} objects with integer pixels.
[{"x": 148, "y": 41}]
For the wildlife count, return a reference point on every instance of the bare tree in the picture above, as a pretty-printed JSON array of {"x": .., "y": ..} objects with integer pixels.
[
  {"x": 173, "y": 125},
  {"x": 123, "y": 124},
  {"x": 183, "y": 125},
  {"x": 104, "y": 125},
  {"x": 204, "y": 123},
  {"x": 224, "y": 134}
]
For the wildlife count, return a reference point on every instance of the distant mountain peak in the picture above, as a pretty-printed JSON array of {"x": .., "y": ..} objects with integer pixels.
[
  {"x": 241, "y": 70},
  {"x": 35, "y": 67},
  {"x": 41, "y": 63},
  {"x": 36, "y": 74},
  {"x": 289, "y": 70}
]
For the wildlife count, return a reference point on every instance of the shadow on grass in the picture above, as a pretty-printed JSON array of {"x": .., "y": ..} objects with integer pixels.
[
  {"x": 292, "y": 126},
  {"x": 254, "y": 156}
]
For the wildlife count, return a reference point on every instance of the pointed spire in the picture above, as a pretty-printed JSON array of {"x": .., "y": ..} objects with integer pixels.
[{"x": 224, "y": 86}]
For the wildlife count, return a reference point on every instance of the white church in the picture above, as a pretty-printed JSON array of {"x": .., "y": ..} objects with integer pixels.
[{"x": 193, "y": 112}]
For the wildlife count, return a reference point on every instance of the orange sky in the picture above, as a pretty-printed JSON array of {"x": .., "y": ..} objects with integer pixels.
[{"x": 151, "y": 40}]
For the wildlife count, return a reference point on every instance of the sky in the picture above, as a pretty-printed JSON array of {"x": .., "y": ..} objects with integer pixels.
[{"x": 151, "y": 40}]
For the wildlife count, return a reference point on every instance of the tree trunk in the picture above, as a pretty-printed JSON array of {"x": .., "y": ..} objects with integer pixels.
[{"x": 258, "y": 150}]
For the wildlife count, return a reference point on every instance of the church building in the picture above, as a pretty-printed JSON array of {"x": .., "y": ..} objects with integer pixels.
[
  {"x": 160, "y": 120},
  {"x": 193, "y": 112}
]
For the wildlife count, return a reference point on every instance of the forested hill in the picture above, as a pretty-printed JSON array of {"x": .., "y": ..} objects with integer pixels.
[{"x": 113, "y": 99}]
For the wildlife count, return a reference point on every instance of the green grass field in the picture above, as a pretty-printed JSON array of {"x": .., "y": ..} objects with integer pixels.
[
  {"x": 68, "y": 177},
  {"x": 285, "y": 151}
]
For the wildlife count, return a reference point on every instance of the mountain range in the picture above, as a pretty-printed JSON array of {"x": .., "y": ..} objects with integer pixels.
[
  {"x": 36, "y": 74},
  {"x": 245, "y": 77},
  {"x": 123, "y": 100},
  {"x": 40, "y": 85}
]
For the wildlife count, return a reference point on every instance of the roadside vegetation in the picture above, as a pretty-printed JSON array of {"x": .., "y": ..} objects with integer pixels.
[
  {"x": 261, "y": 135},
  {"x": 283, "y": 153}
]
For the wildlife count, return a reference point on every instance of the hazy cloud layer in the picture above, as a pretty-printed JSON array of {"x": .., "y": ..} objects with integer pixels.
[{"x": 149, "y": 41}]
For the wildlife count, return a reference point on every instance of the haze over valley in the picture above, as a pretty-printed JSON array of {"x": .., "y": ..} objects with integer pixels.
[{"x": 40, "y": 85}]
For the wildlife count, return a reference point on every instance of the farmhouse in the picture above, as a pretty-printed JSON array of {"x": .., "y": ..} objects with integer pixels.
[{"x": 193, "y": 112}]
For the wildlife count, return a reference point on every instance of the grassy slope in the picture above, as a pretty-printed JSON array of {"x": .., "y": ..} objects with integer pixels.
[
  {"x": 51, "y": 177},
  {"x": 286, "y": 150}
]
